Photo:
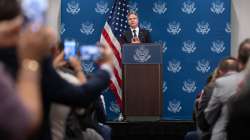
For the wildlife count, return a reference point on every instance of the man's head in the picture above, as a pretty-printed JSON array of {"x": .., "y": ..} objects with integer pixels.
[
  {"x": 244, "y": 53},
  {"x": 226, "y": 65},
  {"x": 133, "y": 20}
]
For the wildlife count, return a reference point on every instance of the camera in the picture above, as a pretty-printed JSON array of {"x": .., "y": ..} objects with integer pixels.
[
  {"x": 69, "y": 49},
  {"x": 90, "y": 53}
]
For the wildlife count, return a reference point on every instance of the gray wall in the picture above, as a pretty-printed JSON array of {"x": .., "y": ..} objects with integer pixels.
[
  {"x": 240, "y": 20},
  {"x": 53, "y": 15}
]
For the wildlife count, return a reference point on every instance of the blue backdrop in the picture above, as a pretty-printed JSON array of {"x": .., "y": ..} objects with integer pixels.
[{"x": 194, "y": 34}]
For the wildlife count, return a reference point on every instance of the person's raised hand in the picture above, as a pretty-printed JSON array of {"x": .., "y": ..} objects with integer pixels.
[
  {"x": 35, "y": 45},
  {"x": 58, "y": 61}
]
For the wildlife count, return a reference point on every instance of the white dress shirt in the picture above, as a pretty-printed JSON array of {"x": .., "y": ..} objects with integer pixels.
[{"x": 136, "y": 31}]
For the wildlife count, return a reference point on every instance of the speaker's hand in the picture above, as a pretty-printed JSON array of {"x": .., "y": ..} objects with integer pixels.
[{"x": 135, "y": 40}]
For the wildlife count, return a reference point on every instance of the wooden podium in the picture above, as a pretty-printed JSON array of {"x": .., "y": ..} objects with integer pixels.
[{"x": 142, "y": 89}]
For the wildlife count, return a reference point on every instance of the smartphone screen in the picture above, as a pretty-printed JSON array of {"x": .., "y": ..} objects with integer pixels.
[
  {"x": 90, "y": 53},
  {"x": 69, "y": 49}
]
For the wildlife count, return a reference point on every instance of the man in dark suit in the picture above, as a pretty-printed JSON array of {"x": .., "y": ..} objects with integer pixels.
[{"x": 135, "y": 34}]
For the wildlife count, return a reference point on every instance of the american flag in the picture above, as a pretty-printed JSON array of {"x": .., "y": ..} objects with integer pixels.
[{"x": 115, "y": 25}]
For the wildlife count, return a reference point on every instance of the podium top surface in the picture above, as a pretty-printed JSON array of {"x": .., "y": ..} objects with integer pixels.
[{"x": 147, "y": 53}]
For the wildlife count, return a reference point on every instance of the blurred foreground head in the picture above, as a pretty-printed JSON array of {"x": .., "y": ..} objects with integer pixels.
[
  {"x": 10, "y": 22},
  {"x": 9, "y": 9},
  {"x": 244, "y": 53},
  {"x": 10, "y": 26},
  {"x": 12, "y": 32}
]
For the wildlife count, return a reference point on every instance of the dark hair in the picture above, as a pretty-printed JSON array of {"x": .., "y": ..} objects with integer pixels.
[
  {"x": 209, "y": 78},
  {"x": 9, "y": 9},
  {"x": 132, "y": 13},
  {"x": 244, "y": 51},
  {"x": 228, "y": 64}
]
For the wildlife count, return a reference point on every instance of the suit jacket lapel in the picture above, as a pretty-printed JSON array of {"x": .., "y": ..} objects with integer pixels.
[
  {"x": 129, "y": 36},
  {"x": 141, "y": 35}
]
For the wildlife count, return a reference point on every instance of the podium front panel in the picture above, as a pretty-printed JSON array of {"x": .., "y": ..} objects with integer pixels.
[{"x": 142, "y": 87}]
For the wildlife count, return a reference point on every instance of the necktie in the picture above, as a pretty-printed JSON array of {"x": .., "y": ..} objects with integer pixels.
[{"x": 134, "y": 33}]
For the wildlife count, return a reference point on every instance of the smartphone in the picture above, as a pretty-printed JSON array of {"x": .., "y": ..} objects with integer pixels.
[
  {"x": 35, "y": 11},
  {"x": 90, "y": 53},
  {"x": 69, "y": 49}
]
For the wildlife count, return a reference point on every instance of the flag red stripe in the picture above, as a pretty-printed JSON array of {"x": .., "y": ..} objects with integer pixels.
[
  {"x": 116, "y": 81},
  {"x": 115, "y": 61},
  {"x": 117, "y": 76},
  {"x": 112, "y": 37},
  {"x": 118, "y": 99},
  {"x": 115, "y": 51},
  {"x": 118, "y": 88}
]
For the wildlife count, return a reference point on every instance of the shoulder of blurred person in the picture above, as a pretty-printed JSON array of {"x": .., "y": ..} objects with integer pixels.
[
  {"x": 226, "y": 86},
  {"x": 239, "y": 112},
  {"x": 200, "y": 117},
  {"x": 69, "y": 76},
  {"x": 230, "y": 81},
  {"x": 12, "y": 126},
  {"x": 228, "y": 76},
  {"x": 227, "y": 66},
  {"x": 216, "y": 95},
  {"x": 59, "y": 112}
]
